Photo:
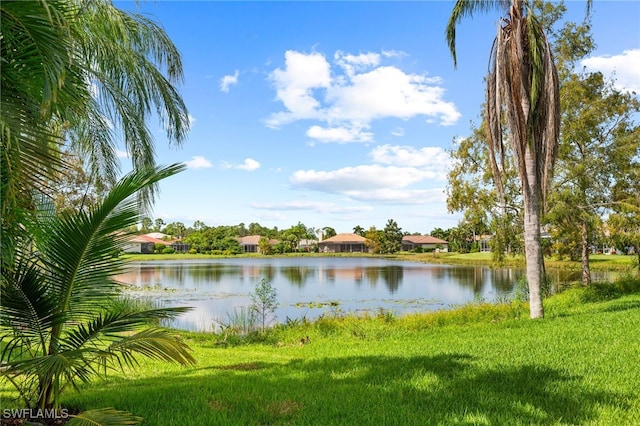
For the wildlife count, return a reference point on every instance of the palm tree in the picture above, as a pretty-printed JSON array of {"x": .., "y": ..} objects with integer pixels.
[
  {"x": 59, "y": 323},
  {"x": 523, "y": 93},
  {"x": 80, "y": 73}
]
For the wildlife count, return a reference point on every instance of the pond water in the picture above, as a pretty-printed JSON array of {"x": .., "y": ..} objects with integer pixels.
[{"x": 313, "y": 286}]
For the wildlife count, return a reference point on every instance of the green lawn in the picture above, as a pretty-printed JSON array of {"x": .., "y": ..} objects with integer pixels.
[{"x": 483, "y": 364}]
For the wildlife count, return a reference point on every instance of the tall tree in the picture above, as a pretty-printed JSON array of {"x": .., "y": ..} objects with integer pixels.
[
  {"x": 523, "y": 92},
  {"x": 391, "y": 237},
  {"x": 328, "y": 232},
  {"x": 374, "y": 237},
  {"x": 84, "y": 73},
  {"x": 158, "y": 224},
  {"x": 599, "y": 151},
  {"x": 359, "y": 230}
]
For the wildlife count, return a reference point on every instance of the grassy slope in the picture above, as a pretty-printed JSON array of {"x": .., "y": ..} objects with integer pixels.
[{"x": 483, "y": 364}]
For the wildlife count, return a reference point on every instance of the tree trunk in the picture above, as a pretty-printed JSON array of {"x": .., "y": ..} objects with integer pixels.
[
  {"x": 584, "y": 237},
  {"x": 532, "y": 247}
]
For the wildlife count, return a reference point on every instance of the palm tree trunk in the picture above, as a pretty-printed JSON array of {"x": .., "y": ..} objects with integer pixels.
[
  {"x": 532, "y": 247},
  {"x": 586, "y": 271}
]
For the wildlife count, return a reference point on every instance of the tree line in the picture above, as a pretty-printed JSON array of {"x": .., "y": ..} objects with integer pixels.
[{"x": 224, "y": 239}]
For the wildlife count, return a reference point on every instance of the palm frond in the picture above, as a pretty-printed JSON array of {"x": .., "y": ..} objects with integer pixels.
[
  {"x": 104, "y": 417},
  {"x": 111, "y": 326},
  {"x": 79, "y": 250},
  {"x": 154, "y": 343},
  {"x": 466, "y": 8}
]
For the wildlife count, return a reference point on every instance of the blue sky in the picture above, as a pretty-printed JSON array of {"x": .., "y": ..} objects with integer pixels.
[{"x": 336, "y": 113}]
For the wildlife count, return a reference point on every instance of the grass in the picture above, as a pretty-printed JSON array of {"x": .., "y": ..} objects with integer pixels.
[
  {"x": 597, "y": 262},
  {"x": 481, "y": 364}
]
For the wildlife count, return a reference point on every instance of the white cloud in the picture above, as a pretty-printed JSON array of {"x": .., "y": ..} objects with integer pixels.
[
  {"x": 198, "y": 162},
  {"x": 398, "y": 132},
  {"x": 432, "y": 158},
  {"x": 401, "y": 196},
  {"x": 400, "y": 175},
  {"x": 351, "y": 64},
  {"x": 248, "y": 165},
  {"x": 295, "y": 85},
  {"x": 359, "y": 178},
  {"x": 229, "y": 80},
  {"x": 624, "y": 68},
  {"x": 192, "y": 120},
  {"x": 339, "y": 134},
  {"x": 353, "y": 93},
  {"x": 315, "y": 206}
]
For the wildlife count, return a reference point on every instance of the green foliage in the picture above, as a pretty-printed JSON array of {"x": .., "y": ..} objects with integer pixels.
[
  {"x": 328, "y": 232},
  {"x": 391, "y": 238},
  {"x": 601, "y": 291},
  {"x": 60, "y": 323},
  {"x": 264, "y": 246},
  {"x": 168, "y": 250},
  {"x": 572, "y": 368},
  {"x": 241, "y": 322},
  {"x": 521, "y": 292},
  {"x": 264, "y": 302},
  {"x": 374, "y": 240}
]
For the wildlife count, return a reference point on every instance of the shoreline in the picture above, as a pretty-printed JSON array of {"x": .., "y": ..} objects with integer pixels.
[{"x": 619, "y": 263}]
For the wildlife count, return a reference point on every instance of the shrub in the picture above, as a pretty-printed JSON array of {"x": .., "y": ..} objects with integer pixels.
[
  {"x": 264, "y": 302},
  {"x": 168, "y": 250},
  {"x": 600, "y": 291}
]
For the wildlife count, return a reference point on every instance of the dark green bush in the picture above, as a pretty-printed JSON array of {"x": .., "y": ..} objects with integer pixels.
[{"x": 600, "y": 291}]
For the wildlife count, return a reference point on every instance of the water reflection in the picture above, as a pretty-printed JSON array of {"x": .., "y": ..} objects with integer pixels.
[{"x": 216, "y": 286}]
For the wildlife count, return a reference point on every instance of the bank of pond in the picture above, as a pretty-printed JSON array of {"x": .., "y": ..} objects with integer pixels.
[{"x": 484, "y": 364}]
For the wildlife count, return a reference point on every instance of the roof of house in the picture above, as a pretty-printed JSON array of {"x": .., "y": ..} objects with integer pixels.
[
  {"x": 148, "y": 239},
  {"x": 423, "y": 239},
  {"x": 158, "y": 235},
  {"x": 345, "y": 238},
  {"x": 253, "y": 240}
]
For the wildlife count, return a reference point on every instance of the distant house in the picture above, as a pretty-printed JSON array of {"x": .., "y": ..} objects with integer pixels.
[
  {"x": 146, "y": 244},
  {"x": 484, "y": 242},
  {"x": 343, "y": 243},
  {"x": 158, "y": 236},
  {"x": 180, "y": 246},
  {"x": 425, "y": 242},
  {"x": 142, "y": 244},
  {"x": 307, "y": 245},
  {"x": 251, "y": 243}
]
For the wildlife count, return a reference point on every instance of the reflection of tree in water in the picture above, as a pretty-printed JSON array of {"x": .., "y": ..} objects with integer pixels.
[
  {"x": 297, "y": 275},
  {"x": 473, "y": 277},
  {"x": 392, "y": 276},
  {"x": 212, "y": 273},
  {"x": 268, "y": 272},
  {"x": 372, "y": 275},
  {"x": 504, "y": 280}
]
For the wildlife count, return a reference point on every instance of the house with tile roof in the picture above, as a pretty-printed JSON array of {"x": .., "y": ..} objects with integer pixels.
[
  {"x": 146, "y": 244},
  {"x": 251, "y": 243},
  {"x": 142, "y": 244},
  {"x": 344, "y": 243},
  {"x": 425, "y": 242}
]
